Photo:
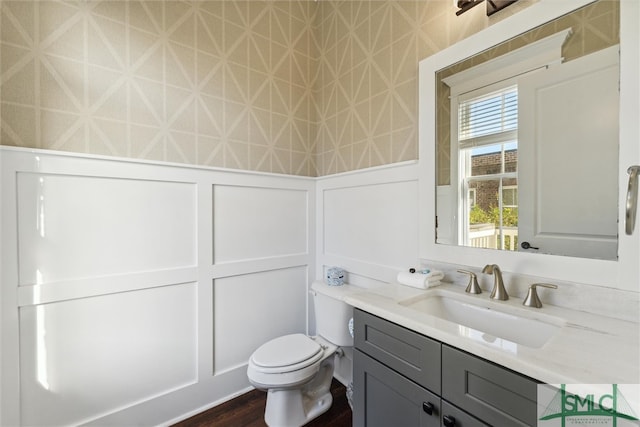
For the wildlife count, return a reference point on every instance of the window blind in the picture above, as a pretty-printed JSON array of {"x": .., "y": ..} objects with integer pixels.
[{"x": 489, "y": 118}]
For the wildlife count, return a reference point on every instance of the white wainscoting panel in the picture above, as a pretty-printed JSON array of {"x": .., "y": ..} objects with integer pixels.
[
  {"x": 72, "y": 227},
  {"x": 84, "y": 358},
  {"x": 254, "y": 223},
  {"x": 368, "y": 221},
  {"x": 371, "y": 223},
  {"x": 115, "y": 306},
  {"x": 251, "y": 309}
]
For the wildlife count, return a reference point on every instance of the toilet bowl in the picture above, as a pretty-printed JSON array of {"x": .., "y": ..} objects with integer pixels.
[{"x": 296, "y": 370}]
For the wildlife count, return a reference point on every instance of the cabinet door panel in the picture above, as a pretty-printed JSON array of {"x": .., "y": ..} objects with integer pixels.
[
  {"x": 407, "y": 352},
  {"x": 384, "y": 398},
  {"x": 494, "y": 394}
]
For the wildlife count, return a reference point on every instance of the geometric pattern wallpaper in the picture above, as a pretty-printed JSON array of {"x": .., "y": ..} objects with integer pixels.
[
  {"x": 368, "y": 85},
  {"x": 294, "y": 87},
  {"x": 367, "y": 88},
  {"x": 219, "y": 83}
]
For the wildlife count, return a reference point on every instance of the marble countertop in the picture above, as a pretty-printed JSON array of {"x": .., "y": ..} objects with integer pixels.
[{"x": 587, "y": 349}]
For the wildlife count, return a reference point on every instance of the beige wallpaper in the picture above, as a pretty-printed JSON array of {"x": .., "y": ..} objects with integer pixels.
[
  {"x": 221, "y": 83},
  {"x": 367, "y": 86},
  {"x": 296, "y": 87}
]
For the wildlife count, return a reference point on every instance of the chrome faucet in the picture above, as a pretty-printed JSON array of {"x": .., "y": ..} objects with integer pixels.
[{"x": 498, "y": 292}]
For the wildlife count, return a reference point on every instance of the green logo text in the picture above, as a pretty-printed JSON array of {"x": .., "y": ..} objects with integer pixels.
[{"x": 566, "y": 405}]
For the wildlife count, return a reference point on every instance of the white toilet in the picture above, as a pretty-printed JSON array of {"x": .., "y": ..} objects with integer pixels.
[{"x": 296, "y": 370}]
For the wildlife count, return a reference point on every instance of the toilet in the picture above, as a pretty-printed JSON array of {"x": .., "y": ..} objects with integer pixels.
[{"x": 296, "y": 370}]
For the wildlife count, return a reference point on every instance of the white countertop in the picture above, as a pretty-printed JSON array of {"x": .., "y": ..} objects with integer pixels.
[{"x": 588, "y": 349}]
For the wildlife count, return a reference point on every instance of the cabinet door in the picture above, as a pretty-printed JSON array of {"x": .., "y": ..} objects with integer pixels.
[
  {"x": 384, "y": 398},
  {"x": 494, "y": 394},
  {"x": 409, "y": 353}
]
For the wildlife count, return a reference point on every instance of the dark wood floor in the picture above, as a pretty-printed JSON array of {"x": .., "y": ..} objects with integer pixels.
[{"x": 248, "y": 411}]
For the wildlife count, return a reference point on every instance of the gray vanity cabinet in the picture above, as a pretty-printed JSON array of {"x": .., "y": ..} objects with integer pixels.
[
  {"x": 495, "y": 394},
  {"x": 388, "y": 399},
  {"x": 408, "y": 353},
  {"x": 402, "y": 378}
]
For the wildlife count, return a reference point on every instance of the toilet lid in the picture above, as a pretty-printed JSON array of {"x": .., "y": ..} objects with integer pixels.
[{"x": 286, "y": 351}]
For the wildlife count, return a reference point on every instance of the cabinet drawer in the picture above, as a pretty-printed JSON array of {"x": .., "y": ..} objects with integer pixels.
[
  {"x": 384, "y": 398},
  {"x": 494, "y": 394},
  {"x": 409, "y": 353}
]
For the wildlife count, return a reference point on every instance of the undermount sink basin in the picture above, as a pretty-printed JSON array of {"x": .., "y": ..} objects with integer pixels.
[{"x": 487, "y": 321}]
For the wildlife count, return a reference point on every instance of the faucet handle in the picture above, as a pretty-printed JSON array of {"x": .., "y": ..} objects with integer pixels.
[
  {"x": 532, "y": 300},
  {"x": 472, "y": 287}
]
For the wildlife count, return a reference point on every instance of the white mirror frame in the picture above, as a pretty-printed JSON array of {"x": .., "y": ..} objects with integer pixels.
[{"x": 622, "y": 274}]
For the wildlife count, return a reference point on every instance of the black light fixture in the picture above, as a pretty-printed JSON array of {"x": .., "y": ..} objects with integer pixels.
[
  {"x": 464, "y": 5},
  {"x": 493, "y": 6}
]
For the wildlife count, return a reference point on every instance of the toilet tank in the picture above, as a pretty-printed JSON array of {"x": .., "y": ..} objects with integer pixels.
[{"x": 332, "y": 314}]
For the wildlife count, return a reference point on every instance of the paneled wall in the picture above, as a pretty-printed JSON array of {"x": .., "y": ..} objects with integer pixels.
[
  {"x": 368, "y": 222},
  {"x": 134, "y": 293}
]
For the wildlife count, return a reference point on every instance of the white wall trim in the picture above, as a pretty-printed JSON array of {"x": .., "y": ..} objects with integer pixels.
[
  {"x": 541, "y": 53},
  {"x": 225, "y": 173}
]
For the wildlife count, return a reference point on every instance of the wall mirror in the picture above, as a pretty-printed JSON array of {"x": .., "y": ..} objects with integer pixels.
[{"x": 525, "y": 140}]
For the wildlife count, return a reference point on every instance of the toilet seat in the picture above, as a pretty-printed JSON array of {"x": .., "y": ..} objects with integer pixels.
[
  {"x": 285, "y": 354},
  {"x": 287, "y": 361}
]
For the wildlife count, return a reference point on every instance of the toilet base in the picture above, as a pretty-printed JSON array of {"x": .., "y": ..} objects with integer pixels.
[
  {"x": 294, "y": 407},
  {"x": 289, "y": 408}
]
